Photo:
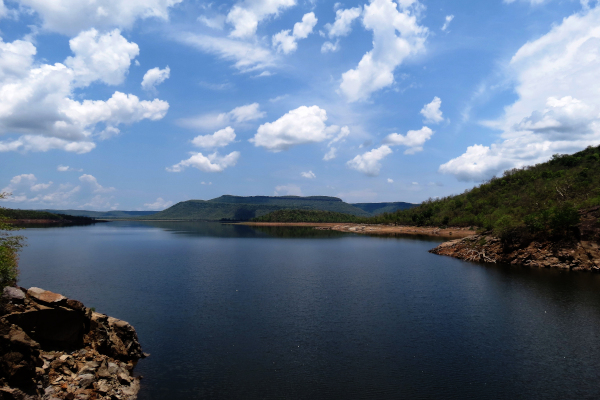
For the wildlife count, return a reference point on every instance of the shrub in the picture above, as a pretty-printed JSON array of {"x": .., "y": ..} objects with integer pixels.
[{"x": 9, "y": 252}]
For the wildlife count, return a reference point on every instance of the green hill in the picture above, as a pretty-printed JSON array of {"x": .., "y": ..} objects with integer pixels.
[
  {"x": 238, "y": 208},
  {"x": 14, "y": 214},
  {"x": 308, "y": 216},
  {"x": 544, "y": 198},
  {"x": 102, "y": 214},
  {"x": 380, "y": 208}
]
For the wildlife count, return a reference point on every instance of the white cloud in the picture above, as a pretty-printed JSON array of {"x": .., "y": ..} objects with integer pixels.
[
  {"x": 329, "y": 47},
  {"x": 449, "y": 19},
  {"x": 343, "y": 22},
  {"x": 220, "y": 138},
  {"x": 154, "y": 77},
  {"x": 237, "y": 116},
  {"x": 331, "y": 154},
  {"x": 558, "y": 106},
  {"x": 41, "y": 186},
  {"x": 375, "y": 70},
  {"x": 105, "y": 57},
  {"x": 159, "y": 204},
  {"x": 37, "y": 102},
  {"x": 340, "y": 138},
  {"x": 369, "y": 162},
  {"x": 300, "y": 126},
  {"x": 72, "y": 16},
  {"x": 247, "y": 56},
  {"x": 211, "y": 163},
  {"x": 308, "y": 175},
  {"x": 247, "y": 14},
  {"x": 288, "y": 190},
  {"x": 432, "y": 112},
  {"x": 414, "y": 140},
  {"x": 390, "y": 180},
  {"x": 93, "y": 183},
  {"x": 66, "y": 168},
  {"x": 216, "y": 22},
  {"x": 287, "y": 43}
]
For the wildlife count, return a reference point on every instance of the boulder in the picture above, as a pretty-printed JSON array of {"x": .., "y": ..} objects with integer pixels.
[
  {"x": 46, "y": 297},
  {"x": 13, "y": 295}
]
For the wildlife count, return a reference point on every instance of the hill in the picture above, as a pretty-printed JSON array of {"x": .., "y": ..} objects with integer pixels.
[
  {"x": 543, "y": 199},
  {"x": 102, "y": 214},
  {"x": 380, "y": 208},
  {"x": 307, "y": 216},
  {"x": 238, "y": 208},
  {"x": 42, "y": 216}
]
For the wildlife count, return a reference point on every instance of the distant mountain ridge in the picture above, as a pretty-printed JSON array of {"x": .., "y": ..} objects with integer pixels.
[
  {"x": 243, "y": 208},
  {"x": 240, "y": 208}
]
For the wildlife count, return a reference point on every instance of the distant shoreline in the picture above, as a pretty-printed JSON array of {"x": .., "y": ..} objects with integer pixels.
[{"x": 374, "y": 229}]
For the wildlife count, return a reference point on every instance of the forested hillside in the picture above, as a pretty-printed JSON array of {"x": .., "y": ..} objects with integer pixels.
[
  {"x": 540, "y": 198},
  {"x": 308, "y": 216}
]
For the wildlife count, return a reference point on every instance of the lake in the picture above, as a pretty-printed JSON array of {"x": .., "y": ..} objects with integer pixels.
[{"x": 236, "y": 312}]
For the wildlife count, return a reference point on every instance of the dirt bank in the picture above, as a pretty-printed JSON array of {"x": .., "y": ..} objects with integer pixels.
[{"x": 375, "y": 229}]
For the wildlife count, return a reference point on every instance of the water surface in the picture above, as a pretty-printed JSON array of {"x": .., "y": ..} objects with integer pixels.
[{"x": 239, "y": 312}]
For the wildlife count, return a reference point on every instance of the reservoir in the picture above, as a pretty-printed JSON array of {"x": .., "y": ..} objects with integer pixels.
[{"x": 239, "y": 312}]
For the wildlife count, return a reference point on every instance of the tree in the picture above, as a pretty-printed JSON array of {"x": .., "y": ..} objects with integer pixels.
[{"x": 9, "y": 250}]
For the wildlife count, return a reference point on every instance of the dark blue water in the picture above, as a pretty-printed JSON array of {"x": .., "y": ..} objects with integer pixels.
[{"x": 234, "y": 312}]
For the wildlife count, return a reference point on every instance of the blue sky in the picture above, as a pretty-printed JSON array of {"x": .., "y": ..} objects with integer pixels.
[{"x": 140, "y": 104}]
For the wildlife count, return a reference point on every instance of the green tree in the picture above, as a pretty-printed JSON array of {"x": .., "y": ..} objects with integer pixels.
[{"x": 10, "y": 245}]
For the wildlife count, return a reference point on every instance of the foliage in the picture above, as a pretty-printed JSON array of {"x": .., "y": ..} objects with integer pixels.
[
  {"x": 307, "y": 216},
  {"x": 9, "y": 251},
  {"x": 33, "y": 215},
  {"x": 540, "y": 199}
]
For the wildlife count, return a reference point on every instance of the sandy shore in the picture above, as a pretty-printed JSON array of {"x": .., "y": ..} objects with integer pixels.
[{"x": 376, "y": 229}]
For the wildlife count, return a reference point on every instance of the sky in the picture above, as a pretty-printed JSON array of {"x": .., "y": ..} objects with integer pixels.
[{"x": 140, "y": 104}]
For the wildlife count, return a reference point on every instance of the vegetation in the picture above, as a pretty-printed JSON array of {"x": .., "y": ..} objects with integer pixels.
[
  {"x": 9, "y": 251},
  {"x": 236, "y": 208},
  {"x": 102, "y": 214},
  {"x": 10, "y": 214},
  {"x": 543, "y": 199},
  {"x": 307, "y": 216},
  {"x": 381, "y": 208}
]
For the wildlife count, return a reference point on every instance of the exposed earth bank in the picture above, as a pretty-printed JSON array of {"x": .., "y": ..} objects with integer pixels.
[
  {"x": 376, "y": 229},
  {"x": 52, "y": 347},
  {"x": 578, "y": 253}
]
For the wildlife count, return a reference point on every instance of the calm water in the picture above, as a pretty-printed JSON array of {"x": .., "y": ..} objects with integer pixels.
[{"x": 235, "y": 312}]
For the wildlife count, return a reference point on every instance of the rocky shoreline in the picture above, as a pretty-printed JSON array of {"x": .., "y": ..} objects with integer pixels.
[{"x": 52, "y": 347}]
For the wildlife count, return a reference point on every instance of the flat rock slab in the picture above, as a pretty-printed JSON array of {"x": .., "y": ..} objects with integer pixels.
[{"x": 45, "y": 296}]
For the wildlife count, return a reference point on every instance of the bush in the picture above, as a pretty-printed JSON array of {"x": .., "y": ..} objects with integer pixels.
[
  {"x": 563, "y": 219},
  {"x": 9, "y": 252}
]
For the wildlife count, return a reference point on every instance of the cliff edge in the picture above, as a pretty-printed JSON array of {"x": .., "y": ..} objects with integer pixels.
[{"x": 52, "y": 347}]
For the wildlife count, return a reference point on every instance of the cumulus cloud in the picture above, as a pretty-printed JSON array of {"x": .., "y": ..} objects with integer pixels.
[
  {"x": 449, "y": 19},
  {"x": 93, "y": 183},
  {"x": 341, "y": 27},
  {"x": 288, "y": 190},
  {"x": 369, "y": 162},
  {"x": 414, "y": 140},
  {"x": 390, "y": 180},
  {"x": 558, "y": 106},
  {"x": 432, "y": 112},
  {"x": 211, "y": 163},
  {"x": 66, "y": 168},
  {"x": 287, "y": 43},
  {"x": 37, "y": 102},
  {"x": 247, "y": 14},
  {"x": 159, "y": 204},
  {"x": 220, "y": 138},
  {"x": 72, "y": 16},
  {"x": 155, "y": 77},
  {"x": 308, "y": 175},
  {"x": 375, "y": 70},
  {"x": 237, "y": 116},
  {"x": 300, "y": 126},
  {"x": 341, "y": 137}
]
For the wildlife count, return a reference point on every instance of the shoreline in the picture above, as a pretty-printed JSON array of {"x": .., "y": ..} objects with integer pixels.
[{"x": 374, "y": 229}]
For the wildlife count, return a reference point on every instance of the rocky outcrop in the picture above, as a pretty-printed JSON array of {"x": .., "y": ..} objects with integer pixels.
[
  {"x": 581, "y": 252},
  {"x": 52, "y": 347}
]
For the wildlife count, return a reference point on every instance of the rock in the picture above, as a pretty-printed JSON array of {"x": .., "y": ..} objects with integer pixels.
[
  {"x": 86, "y": 380},
  {"x": 13, "y": 295},
  {"x": 46, "y": 297}
]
